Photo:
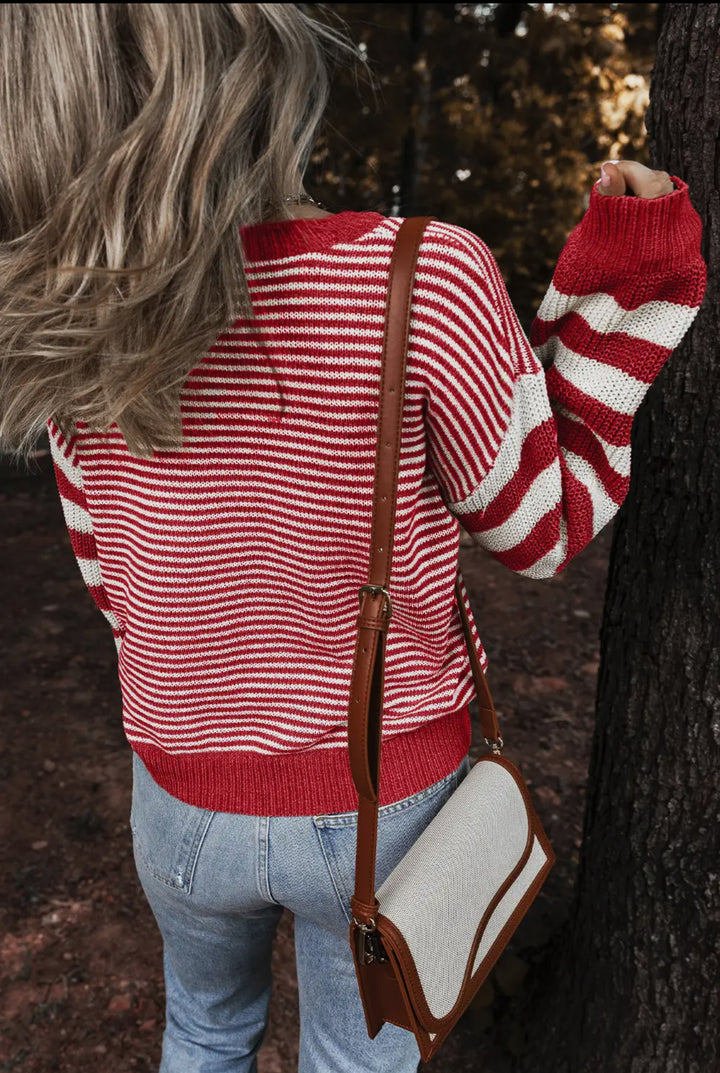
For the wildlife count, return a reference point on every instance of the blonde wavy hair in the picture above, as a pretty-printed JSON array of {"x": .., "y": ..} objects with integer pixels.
[{"x": 136, "y": 140}]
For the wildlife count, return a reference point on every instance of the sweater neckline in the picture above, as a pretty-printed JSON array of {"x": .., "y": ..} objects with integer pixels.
[{"x": 282, "y": 238}]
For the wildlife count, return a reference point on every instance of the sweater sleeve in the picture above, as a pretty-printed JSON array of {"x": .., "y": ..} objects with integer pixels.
[
  {"x": 530, "y": 439},
  {"x": 68, "y": 475}
]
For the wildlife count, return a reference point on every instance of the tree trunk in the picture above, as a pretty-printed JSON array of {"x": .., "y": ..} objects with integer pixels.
[
  {"x": 417, "y": 114},
  {"x": 633, "y": 984}
]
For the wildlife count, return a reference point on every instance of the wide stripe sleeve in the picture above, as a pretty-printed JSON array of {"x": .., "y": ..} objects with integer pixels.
[
  {"x": 530, "y": 438},
  {"x": 68, "y": 476}
]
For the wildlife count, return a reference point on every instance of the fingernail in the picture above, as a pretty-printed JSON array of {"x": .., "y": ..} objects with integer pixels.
[{"x": 605, "y": 179}]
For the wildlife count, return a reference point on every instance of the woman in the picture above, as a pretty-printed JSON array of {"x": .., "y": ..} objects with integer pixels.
[{"x": 206, "y": 359}]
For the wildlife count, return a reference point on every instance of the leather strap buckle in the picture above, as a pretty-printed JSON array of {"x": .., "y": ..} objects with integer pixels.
[{"x": 375, "y": 590}]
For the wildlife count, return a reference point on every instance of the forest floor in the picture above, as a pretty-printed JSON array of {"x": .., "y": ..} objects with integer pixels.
[{"x": 81, "y": 984}]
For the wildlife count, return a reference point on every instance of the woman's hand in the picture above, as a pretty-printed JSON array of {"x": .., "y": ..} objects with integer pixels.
[{"x": 640, "y": 180}]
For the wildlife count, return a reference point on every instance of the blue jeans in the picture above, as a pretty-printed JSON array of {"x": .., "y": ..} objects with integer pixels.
[{"x": 217, "y": 883}]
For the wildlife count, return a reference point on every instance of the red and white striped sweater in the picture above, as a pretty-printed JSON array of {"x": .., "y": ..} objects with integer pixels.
[{"x": 229, "y": 570}]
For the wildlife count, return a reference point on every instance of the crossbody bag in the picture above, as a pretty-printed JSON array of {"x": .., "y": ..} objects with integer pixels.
[{"x": 425, "y": 941}]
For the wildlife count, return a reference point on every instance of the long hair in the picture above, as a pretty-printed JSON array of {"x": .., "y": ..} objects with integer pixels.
[{"x": 136, "y": 140}]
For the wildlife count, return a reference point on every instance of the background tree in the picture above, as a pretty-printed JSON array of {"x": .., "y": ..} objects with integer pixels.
[
  {"x": 634, "y": 980},
  {"x": 505, "y": 112}
]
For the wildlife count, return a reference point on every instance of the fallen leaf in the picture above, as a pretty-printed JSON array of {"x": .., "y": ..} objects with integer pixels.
[
  {"x": 536, "y": 686},
  {"x": 547, "y": 795},
  {"x": 119, "y": 1004}
]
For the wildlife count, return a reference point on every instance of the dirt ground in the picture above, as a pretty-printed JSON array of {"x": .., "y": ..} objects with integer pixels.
[{"x": 81, "y": 986}]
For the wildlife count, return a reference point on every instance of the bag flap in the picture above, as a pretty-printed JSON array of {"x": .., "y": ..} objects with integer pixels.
[{"x": 446, "y": 902}]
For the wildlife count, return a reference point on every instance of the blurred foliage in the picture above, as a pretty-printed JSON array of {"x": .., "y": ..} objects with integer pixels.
[{"x": 495, "y": 117}]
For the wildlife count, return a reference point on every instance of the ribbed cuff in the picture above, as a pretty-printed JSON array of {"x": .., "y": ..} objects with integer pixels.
[{"x": 630, "y": 230}]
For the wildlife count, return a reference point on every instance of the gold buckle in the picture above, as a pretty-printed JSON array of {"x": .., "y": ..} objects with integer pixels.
[{"x": 375, "y": 590}]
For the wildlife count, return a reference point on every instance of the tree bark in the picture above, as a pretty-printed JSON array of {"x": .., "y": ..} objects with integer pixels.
[
  {"x": 412, "y": 146},
  {"x": 633, "y": 983}
]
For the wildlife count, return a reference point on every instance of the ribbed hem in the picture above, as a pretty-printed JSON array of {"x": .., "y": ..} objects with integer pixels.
[
  {"x": 316, "y": 782},
  {"x": 633, "y": 230},
  {"x": 283, "y": 238}
]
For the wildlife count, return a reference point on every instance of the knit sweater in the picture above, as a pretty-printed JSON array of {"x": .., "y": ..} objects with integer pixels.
[{"x": 229, "y": 570}]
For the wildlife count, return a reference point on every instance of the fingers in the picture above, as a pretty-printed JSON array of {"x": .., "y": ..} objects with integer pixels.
[
  {"x": 616, "y": 186},
  {"x": 631, "y": 177}
]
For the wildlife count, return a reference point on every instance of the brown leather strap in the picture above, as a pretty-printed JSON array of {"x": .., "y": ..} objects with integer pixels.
[
  {"x": 486, "y": 708},
  {"x": 375, "y": 610}
]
